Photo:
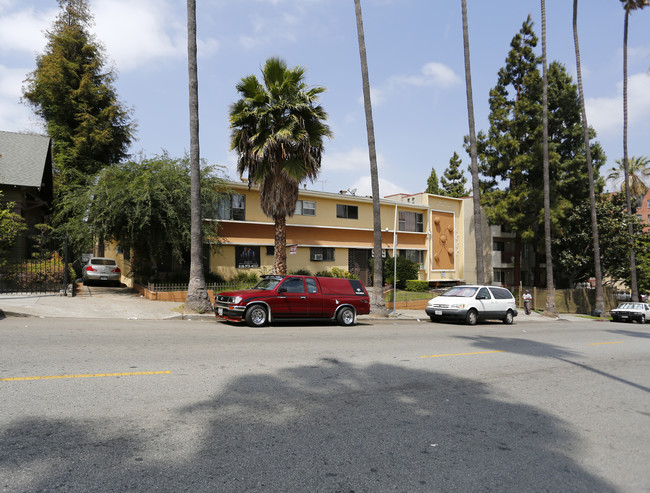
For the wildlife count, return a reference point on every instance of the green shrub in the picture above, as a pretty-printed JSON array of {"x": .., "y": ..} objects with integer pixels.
[
  {"x": 416, "y": 285},
  {"x": 406, "y": 269},
  {"x": 247, "y": 277},
  {"x": 336, "y": 272},
  {"x": 301, "y": 272}
]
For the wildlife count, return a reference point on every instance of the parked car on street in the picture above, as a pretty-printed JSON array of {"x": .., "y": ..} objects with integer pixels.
[
  {"x": 101, "y": 270},
  {"x": 473, "y": 303},
  {"x": 294, "y": 297},
  {"x": 629, "y": 311}
]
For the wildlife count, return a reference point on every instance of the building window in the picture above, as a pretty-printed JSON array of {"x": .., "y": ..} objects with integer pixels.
[
  {"x": 411, "y": 221},
  {"x": 321, "y": 254},
  {"x": 347, "y": 211},
  {"x": 498, "y": 246},
  {"x": 648, "y": 204},
  {"x": 305, "y": 208},
  {"x": 415, "y": 256},
  {"x": 270, "y": 251},
  {"x": 232, "y": 207}
]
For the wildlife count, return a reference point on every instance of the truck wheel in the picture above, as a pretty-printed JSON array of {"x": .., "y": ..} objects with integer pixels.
[
  {"x": 345, "y": 316},
  {"x": 256, "y": 316},
  {"x": 509, "y": 318},
  {"x": 472, "y": 317}
]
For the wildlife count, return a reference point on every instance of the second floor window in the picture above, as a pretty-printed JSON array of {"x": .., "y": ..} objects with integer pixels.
[
  {"x": 411, "y": 221},
  {"x": 305, "y": 208},
  {"x": 232, "y": 207},
  {"x": 347, "y": 211}
]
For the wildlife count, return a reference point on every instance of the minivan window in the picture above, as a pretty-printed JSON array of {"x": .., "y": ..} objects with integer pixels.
[
  {"x": 501, "y": 294},
  {"x": 483, "y": 294}
]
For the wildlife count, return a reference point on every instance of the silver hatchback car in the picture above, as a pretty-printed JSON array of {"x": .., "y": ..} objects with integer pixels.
[{"x": 102, "y": 269}]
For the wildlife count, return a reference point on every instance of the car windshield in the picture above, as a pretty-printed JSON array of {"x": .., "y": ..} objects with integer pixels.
[
  {"x": 460, "y": 291},
  {"x": 631, "y": 306},
  {"x": 268, "y": 283},
  {"x": 102, "y": 261}
]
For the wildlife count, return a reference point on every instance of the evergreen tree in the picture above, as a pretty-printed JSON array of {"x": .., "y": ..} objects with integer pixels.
[
  {"x": 72, "y": 90},
  {"x": 432, "y": 183},
  {"x": 453, "y": 180},
  {"x": 512, "y": 152}
]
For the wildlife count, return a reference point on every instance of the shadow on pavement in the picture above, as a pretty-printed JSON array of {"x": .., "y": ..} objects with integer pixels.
[{"x": 327, "y": 427}]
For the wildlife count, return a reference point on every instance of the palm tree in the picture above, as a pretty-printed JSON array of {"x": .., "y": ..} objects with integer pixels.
[
  {"x": 377, "y": 302},
  {"x": 550, "y": 310},
  {"x": 628, "y": 6},
  {"x": 278, "y": 130},
  {"x": 599, "y": 308},
  {"x": 476, "y": 195},
  {"x": 638, "y": 172},
  {"x": 197, "y": 297}
]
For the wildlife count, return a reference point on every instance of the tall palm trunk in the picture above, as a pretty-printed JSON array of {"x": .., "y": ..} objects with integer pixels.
[
  {"x": 377, "y": 302},
  {"x": 476, "y": 195},
  {"x": 280, "y": 242},
  {"x": 550, "y": 310},
  {"x": 626, "y": 167},
  {"x": 197, "y": 296},
  {"x": 599, "y": 308}
]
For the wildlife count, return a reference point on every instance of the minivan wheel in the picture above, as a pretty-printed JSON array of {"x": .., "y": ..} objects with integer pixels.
[
  {"x": 472, "y": 317},
  {"x": 345, "y": 316},
  {"x": 509, "y": 318},
  {"x": 256, "y": 316}
]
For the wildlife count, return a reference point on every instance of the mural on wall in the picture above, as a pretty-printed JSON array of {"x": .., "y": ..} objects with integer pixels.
[
  {"x": 247, "y": 257},
  {"x": 443, "y": 244}
]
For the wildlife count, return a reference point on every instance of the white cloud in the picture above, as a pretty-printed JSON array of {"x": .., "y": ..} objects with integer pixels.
[
  {"x": 363, "y": 184},
  {"x": 352, "y": 160},
  {"x": 23, "y": 30},
  {"x": 14, "y": 116},
  {"x": 138, "y": 33},
  {"x": 432, "y": 74},
  {"x": 135, "y": 33},
  {"x": 606, "y": 114}
]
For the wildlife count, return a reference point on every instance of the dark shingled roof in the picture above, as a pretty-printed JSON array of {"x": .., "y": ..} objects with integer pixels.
[{"x": 23, "y": 158}]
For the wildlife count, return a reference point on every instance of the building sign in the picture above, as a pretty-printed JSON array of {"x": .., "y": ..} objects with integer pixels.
[
  {"x": 293, "y": 249},
  {"x": 247, "y": 257}
]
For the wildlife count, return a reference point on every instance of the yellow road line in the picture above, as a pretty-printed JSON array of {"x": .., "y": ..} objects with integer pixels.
[
  {"x": 460, "y": 354},
  {"x": 600, "y": 343},
  {"x": 92, "y": 375}
]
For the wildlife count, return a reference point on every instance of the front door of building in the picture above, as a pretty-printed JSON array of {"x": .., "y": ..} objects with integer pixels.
[{"x": 359, "y": 265}]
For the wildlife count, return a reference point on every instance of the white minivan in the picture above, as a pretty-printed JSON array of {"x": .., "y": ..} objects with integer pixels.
[{"x": 473, "y": 303}]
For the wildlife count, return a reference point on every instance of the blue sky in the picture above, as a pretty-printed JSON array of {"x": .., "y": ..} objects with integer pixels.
[{"x": 415, "y": 58}]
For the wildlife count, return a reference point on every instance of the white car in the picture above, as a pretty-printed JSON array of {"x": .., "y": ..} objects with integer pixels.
[
  {"x": 473, "y": 303},
  {"x": 101, "y": 269},
  {"x": 630, "y": 311}
]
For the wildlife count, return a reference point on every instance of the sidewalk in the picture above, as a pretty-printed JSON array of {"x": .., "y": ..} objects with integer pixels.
[{"x": 131, "y": 306}]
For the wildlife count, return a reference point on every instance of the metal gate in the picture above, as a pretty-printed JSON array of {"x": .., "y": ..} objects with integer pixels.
[{"x": 35, "y": 264}]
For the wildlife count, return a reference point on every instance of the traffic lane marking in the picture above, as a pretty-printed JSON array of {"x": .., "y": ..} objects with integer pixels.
[{"x": 90, "y": 375}]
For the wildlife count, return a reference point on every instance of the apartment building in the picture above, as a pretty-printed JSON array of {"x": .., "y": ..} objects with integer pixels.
[{"x": 336, "y": 230}]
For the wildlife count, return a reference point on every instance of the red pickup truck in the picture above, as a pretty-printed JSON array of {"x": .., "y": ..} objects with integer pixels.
[{"x": 295, "y": 297}]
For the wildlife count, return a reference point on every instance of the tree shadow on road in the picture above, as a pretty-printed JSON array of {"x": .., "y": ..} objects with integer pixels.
[{"x": 327, "y": 427}]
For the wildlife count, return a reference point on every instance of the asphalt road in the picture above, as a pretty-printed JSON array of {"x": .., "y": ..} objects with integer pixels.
[{"x": 170, "y": 406}]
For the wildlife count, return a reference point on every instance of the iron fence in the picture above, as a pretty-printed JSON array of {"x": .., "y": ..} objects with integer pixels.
[
  {"x": 215, "y": 287},
  {"x": 35, "y": 264}
]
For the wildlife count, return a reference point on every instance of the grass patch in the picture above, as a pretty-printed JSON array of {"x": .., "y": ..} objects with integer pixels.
[{"x": 407, "y": 296}]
